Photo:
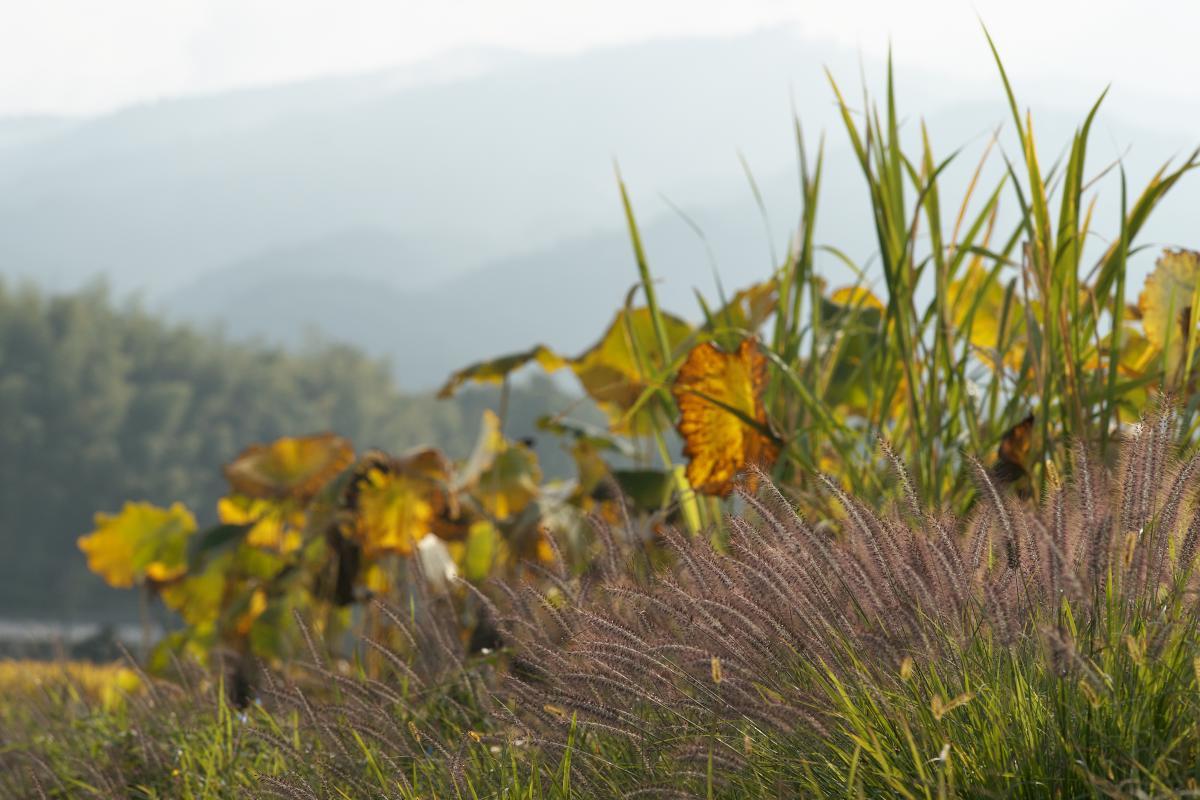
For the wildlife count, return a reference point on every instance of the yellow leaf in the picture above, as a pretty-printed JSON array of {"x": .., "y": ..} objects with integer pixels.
[
  {"x": 389, "y": 503},
  {"x": 611, "y": 370},
  {"x": 717, "y": 442},
  {"x": 617, "y": 369},
  {"x": 393, "y": 513},
  {"x": 275, "y": 525},
  {"x": 590, "y": 469},
  {"x": 143, "y": 538},
  {"x": 1166, "y": 303},
  {"x": 497, "y": 369},
  {"x": 295, "y": 468},
  {"x": 544, "y": 549}
]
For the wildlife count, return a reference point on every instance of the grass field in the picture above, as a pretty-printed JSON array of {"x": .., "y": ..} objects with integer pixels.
[{"x": 1020, "y": 652}]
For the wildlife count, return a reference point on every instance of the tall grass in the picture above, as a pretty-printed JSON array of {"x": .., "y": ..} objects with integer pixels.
[
  {"x": 1020, "y": 652},
  {"x": 1028, "y": 649},
  {"x": 978, "y": 326}
]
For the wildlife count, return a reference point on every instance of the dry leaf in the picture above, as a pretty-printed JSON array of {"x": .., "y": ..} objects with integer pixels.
[
  {"x": 1012, "y": 456},
  {"x": 291, "y": 467},
  {"x": 719, "y": 396}
]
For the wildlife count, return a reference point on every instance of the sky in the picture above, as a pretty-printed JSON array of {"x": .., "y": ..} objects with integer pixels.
[{"x": 92, "y": 56}]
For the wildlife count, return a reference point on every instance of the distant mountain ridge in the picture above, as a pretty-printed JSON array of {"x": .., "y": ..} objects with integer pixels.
[{"x": 510, "y": 159}]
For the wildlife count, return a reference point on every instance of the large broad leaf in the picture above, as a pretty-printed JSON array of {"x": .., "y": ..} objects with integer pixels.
[
  {"x": 292, "y": 467},
  {"x": 392, "y": 512},
  {"x": 497, "y": 369},
  {"x": 721, "y": 415},
  {"x": 255, "y": 605},
  {"x": 857, "y": 301},
  {"x": 143, "y": 541},
  {"x": 617, "y": 370},
  {"x": 1166, "y": 303},
  {"x": 389, "y": 503}
]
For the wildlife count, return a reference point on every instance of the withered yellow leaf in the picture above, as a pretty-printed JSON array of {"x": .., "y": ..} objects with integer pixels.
[
  {"x": 389, "y": 503},
  {"x": 160, "y": 572},
  {"x": 617, "y": 369},
  {"x": 1012, "y": 454},
  {"x": 143, "y": 540},
  {"x": 497, "y": 369},
  {"x": 1166, "y": 303},
  {"x": 1133, "y": 351},
  {"x": 392, "y": 512},
  {"x": 290, "y": 467},
  {"x": 710, "y": 386}
]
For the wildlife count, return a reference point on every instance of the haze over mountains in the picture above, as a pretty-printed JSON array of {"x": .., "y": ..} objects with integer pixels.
[{"x": 440, "y": 214}]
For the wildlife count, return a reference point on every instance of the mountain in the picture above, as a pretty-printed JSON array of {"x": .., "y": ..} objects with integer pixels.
[
  {"x": 19, "y": 131},
  {"x": 384, "y": 296},
  {"x": 507, "y": 160},
  {"x": 563, "y": 294}
]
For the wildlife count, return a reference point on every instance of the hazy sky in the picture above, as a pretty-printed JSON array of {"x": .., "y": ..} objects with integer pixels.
[{"x": 87, "y": 56}]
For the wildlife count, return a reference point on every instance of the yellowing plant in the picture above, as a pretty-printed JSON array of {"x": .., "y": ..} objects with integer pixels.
[{"x": 310, "y": 526}]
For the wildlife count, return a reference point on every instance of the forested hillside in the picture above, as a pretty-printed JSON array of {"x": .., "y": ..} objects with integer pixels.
[{"x": 101, "y": 402}]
